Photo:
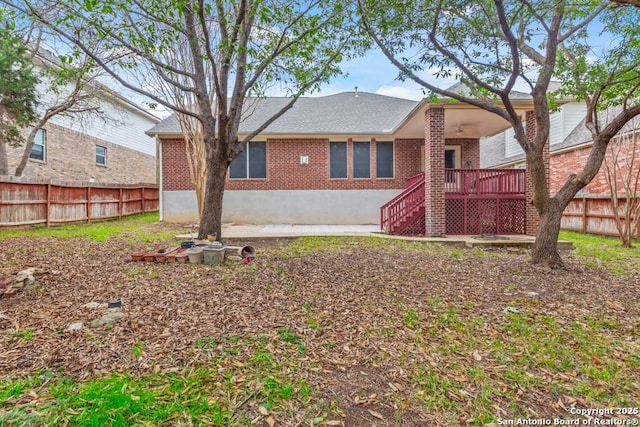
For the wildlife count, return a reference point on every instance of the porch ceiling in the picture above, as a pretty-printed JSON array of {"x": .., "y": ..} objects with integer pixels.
[{"x": 460, "y": 121}]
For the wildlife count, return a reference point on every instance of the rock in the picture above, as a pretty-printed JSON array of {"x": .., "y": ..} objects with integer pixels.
[
  {"x": 30, "y": 281},
  {"x": 20, "y": 278},
  {"x": 107, "y": 319},
  {"x": 75, "y": 326},
  {"x": 94, "y": 305}
]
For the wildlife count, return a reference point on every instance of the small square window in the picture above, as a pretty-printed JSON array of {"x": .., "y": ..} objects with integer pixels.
[
  {"x": 38, "y": 152},
  {"x": 101, "y": 155}
]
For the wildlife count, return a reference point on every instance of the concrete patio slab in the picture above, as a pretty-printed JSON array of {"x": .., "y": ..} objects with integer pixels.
[{"x": 254, "y": 231}]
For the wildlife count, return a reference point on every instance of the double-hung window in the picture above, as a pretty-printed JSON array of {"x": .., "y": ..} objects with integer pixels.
[
  {"x": 101, "y": 155},
  {"x": 251, "y": 163}
]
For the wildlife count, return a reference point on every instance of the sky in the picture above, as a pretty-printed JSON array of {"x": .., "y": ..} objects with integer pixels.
[{"x": 375, "y": 74}]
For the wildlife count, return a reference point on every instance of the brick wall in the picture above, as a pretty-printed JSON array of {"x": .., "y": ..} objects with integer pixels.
[
  {"x": 434, "y": 204},
  {"x": 175, "y": 169},
  {"x": 284, "y": 171},
  {"x": 469, "y": 151},
  {"x": 572, "y": 162},
  {"x": 71, "y": 156}
]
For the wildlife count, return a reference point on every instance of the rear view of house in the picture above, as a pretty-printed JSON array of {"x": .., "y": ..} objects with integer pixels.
[{"x": 338, "y": 159}]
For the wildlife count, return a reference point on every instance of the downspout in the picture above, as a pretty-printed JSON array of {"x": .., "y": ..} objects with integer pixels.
[{"x": 160, "y": 192}]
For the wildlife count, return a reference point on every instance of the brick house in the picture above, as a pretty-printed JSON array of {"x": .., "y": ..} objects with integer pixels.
[
  {"x": 111, "y": 148},
  {"x": 338, "y": 159},
  {"x": 569, "y": 144}
]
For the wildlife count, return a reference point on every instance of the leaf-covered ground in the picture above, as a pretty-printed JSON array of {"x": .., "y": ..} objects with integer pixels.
[{"x": 316, "y": 331}]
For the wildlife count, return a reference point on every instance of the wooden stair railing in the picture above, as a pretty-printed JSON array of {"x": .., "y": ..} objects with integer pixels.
[{"x": 397, "y": 211}]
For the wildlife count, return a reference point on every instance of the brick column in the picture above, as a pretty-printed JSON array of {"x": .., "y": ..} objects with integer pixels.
[
  {"x": 434, "y": 203},
  {"x": 533, "y": 219}
]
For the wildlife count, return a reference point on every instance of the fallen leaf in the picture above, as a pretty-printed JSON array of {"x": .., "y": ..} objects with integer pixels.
[
  {"x": 378, "y": 415},
  {"x": 263, "y": 411},
  {"x": 271, "y": 421}
]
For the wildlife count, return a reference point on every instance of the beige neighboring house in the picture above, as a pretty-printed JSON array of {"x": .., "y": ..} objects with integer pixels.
[{"x": 108, "y": 148}]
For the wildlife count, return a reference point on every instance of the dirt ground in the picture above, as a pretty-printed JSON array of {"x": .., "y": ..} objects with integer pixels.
[{"x": 349, "y": 306}]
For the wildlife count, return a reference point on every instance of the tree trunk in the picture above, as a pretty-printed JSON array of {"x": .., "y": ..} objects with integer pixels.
[
  {"x": 4, "y": 161},
  {"x": 545, "y": 248},
  {"x": 211, "y": 220},
  {"x": 28, "y": 146}
]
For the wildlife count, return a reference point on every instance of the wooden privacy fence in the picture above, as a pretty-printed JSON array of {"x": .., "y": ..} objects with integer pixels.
[
  {"x": 25, "y": 202},
  {"x": 592, "y": 214}
]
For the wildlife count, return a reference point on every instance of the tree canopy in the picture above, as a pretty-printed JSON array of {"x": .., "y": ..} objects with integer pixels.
[{"x": 17, "y": 91}]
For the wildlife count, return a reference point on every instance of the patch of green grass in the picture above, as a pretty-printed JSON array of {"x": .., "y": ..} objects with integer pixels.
[
  {"x": 218, "y": 393},
  {"x": 137, "y": 349},
  {"x": 310, "y": 245},
  {"x": 99, "y": 231},
  {"x": 287, "y": 335},
  {"x": 412, "y": 319},
  {"x": 24, "y": 335},
  {"x": 602, "y": 251}
]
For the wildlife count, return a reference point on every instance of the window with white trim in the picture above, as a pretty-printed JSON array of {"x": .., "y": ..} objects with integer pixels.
[
  {"x": 38, "y": 151},
  {"x": 251, "y": 163},
  {"x": 101, "y": 155}
]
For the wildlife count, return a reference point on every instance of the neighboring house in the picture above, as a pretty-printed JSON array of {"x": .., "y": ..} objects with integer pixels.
[
  {"x": 108, "y": 148},
  {"x": 569, "y": 147},
  {"x": 338, "y": 159}
]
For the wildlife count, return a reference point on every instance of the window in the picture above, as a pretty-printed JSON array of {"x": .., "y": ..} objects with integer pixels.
[
  {"x": 101, "y": 155},
  {"x": 39, "y": 146},
  {"x": 337, "y": 159},
  {"x": 384, "y": 159},
  {"x": 250, "y": 163},
  {"x": 361, "y": 160}
]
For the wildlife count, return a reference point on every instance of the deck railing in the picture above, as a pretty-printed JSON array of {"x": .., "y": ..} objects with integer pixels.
[
  {"x": 403, "y": 205},
  {"x": 484, "y": 181},
  {"x": 459, "y": 184}
]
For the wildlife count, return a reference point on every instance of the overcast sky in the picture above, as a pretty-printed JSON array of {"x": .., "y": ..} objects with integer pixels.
[{"x": 375, "y": 74}]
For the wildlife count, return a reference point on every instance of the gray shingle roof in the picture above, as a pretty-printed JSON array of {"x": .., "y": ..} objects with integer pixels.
[{"x": 364, "y": 113}]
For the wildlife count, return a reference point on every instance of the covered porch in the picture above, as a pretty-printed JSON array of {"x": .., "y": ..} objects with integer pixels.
[
  {"x": 451, "y": 196},
  {"x": 477, "y": 201}
]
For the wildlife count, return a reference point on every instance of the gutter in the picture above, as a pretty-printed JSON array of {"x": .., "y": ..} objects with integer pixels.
[{"x": 160, "y": 192}]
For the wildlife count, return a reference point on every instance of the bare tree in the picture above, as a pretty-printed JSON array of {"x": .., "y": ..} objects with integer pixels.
[
  {"x": 69, "y": 89},
  {"x": 622, "y": 173}
]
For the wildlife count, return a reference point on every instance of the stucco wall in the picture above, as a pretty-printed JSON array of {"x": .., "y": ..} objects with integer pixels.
[{"x": 285, "y": 207}]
